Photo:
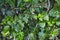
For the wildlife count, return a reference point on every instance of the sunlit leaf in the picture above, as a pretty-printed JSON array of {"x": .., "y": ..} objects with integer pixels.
[
  {"x": 46, "y": 17},
  {"x": 27, "y": 0}
]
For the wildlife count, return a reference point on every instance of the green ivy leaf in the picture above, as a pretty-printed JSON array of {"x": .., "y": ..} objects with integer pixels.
[
  {"x": 11, "y": 2},
  {"x": 9, "y": 13},
  {"x": 25, "y": 19},
  {"x": 17, "y": 28},
  {"x": 41, "y": 35},
  {"x": 1, "y": 1},
  {"x": 42, "y": 24},
  {"x": 6, "y": 28},
  {"x": 19, "y": 2},
  {"x": 50, "y": 24},
  {"x": 31, "y": 36},
  {"x": 20, "y": 36},
  {"x": 58, "y": 1},
  {"x": 46, "y": 17},
  {"x": 54, "y": 33},
  {"x": 54, "y": 13},
  {"x": 26, "y": 0},
  {"x": 35, "y": 16},
  {"x": 5, "y": 31},
  {"x": 58, "y": 23}
]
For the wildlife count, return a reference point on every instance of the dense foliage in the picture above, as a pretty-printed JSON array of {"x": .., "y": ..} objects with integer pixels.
[{"x": 29, "y": 20}]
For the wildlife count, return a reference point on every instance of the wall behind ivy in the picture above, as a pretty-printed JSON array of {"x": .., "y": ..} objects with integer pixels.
[{"x": 29, "y": 20}]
